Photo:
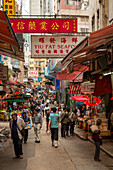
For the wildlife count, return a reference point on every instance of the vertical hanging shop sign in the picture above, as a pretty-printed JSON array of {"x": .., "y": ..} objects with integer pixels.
[{"x": 9, "y": 7}]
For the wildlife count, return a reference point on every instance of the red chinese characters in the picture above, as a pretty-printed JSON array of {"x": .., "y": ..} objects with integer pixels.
[{"x": 44, "y": 25}]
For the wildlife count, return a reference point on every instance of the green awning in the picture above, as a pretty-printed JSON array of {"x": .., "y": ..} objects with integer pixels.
[{"x": 14, "y": 100}]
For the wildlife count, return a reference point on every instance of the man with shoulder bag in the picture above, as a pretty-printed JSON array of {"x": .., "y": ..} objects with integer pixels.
[{"x": 17, "y": 125}]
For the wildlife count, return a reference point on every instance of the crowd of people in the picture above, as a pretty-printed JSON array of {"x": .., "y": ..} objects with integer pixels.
[{"x": 41, "y": 108}]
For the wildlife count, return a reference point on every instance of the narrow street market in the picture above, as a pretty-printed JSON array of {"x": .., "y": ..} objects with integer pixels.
[{"x": 56, "y": 85}]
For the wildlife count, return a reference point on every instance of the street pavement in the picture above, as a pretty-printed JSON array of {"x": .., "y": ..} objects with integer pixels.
[{"x": 72, "y": 154}]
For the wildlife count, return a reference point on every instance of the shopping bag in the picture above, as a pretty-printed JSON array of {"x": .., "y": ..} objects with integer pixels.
[{"x": 29, "y": 126}]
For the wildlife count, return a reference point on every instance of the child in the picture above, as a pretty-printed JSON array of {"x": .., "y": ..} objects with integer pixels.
[{"x": 37, "y": 121}]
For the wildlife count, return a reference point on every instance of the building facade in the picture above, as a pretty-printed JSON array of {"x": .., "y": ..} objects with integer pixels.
[
  {"x": 45, "y": 8},
  {"x": 77, "y": 8},
  {"x": 100, "y": 14}
]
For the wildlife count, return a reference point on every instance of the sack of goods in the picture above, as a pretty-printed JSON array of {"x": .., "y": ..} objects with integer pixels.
[{"x": 94, "y": 128}]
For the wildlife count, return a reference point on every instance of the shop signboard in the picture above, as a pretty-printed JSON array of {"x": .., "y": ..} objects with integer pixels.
[
  {"x": 53, "y": 46},
  {"x": 32, "y": 73},
  {"x": 39, "y": 79},
  {"x": 87, "y": 87},
  {"x": 3, "y": 73},
  {"x": 35, "y": 79},
  {"x": 25, "y": 79},
  {"x": 9, "y": 7},
  {"x": 30, "y": 25},
  {"x": 13, "y": 80}
]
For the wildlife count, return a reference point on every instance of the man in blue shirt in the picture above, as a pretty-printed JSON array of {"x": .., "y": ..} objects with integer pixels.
[{"x": 54, "y": 124}]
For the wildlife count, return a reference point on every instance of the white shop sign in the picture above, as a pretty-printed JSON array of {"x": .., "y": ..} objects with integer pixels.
[
  {"x": 53, "y": 46},
  {"x": 87, "y": 87}
]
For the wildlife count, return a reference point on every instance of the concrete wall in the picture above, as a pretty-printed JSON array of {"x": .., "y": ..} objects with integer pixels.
[
  {"x": 35, "y": 7},
  {"x": 105, "y": 13},
  {"x": 110, "y": 10}
]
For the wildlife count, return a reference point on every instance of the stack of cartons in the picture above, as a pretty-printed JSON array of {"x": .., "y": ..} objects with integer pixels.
[{"x": 104, "y": 128}]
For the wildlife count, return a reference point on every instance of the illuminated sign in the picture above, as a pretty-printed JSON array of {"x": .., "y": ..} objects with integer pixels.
[
  {"x": 9, "y": 7},
  {"x": 44, "y": 25},
  {"x": 53, "y": 46}
]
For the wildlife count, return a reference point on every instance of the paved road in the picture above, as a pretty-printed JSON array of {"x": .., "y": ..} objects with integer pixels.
[{"x": 72, "y": 154}]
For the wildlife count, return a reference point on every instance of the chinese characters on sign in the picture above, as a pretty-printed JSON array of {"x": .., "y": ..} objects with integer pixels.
[
  {"x": 53, "y": 46},
  {"x": 32, "y": 74},
  {"x": 44, "y": 25},
  {"x": 9, "y": 7}
]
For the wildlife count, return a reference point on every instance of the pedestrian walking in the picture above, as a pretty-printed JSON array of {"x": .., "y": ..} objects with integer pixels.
[
  {"x": 16, "y": 126},
  {"x": 26, "y": 110},
  {"x": 27, "y": 121},
  {"x": 72, "y": 118},
  {"x": 64, "y": 122},
  {"x": 97, "y": 139},
  {"x": 42, "y": 107},
  {"x": 47, "y": 120},
  {"x": 37, "y": 121},
  {"x": 47, "y": 108},
  {"x": 32, "y": 108},
  {"x": 53, "y": 125},
  {"x": 9, "y": 111}
]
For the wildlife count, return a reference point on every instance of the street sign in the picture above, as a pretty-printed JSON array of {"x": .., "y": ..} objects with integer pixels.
[
  {"x": 9, "y": 7},
  {"x": 53, "y": 46},
  {"x": 44, "y": 25},
  {"x": 3, "y": 73}
]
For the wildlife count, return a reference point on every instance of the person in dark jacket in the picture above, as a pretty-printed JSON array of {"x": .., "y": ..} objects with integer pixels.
[
  {"x": 16, "y": 125},
  {"x": 47, "y": 120},
  {"x": 97, "y": 139},
  {"x": 64, "y": 122},
  {"x": 32, "y": 108}
]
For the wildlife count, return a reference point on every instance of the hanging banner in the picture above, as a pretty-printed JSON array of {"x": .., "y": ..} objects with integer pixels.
[
  {"x": 9, "y": 7},
  {"x": 3, "y": 73},
  {"x": 44, "y": 25},
  {"x": 13, "y": 80},
  {"x": 53, "y": 46}
]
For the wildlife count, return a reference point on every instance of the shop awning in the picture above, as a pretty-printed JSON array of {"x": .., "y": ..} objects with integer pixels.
[
  {"x": 75, "y": 75},
  {"x": 14, "y": 100},
  {"x": 98, "y": 42},
  {"x": 9, "y": 45}
]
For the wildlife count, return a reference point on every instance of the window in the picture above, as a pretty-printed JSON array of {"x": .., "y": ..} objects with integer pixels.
[
  {"x": 87, "y": 29},
  {"x": 98, "y": 19},
  {"x": 85, "y": 6},
  {"x": 93, "y": 23},
  {"x": 72, "y": 2},
  {"x": 82, "y": 29},
  {"x": 83, "y": 19}
]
